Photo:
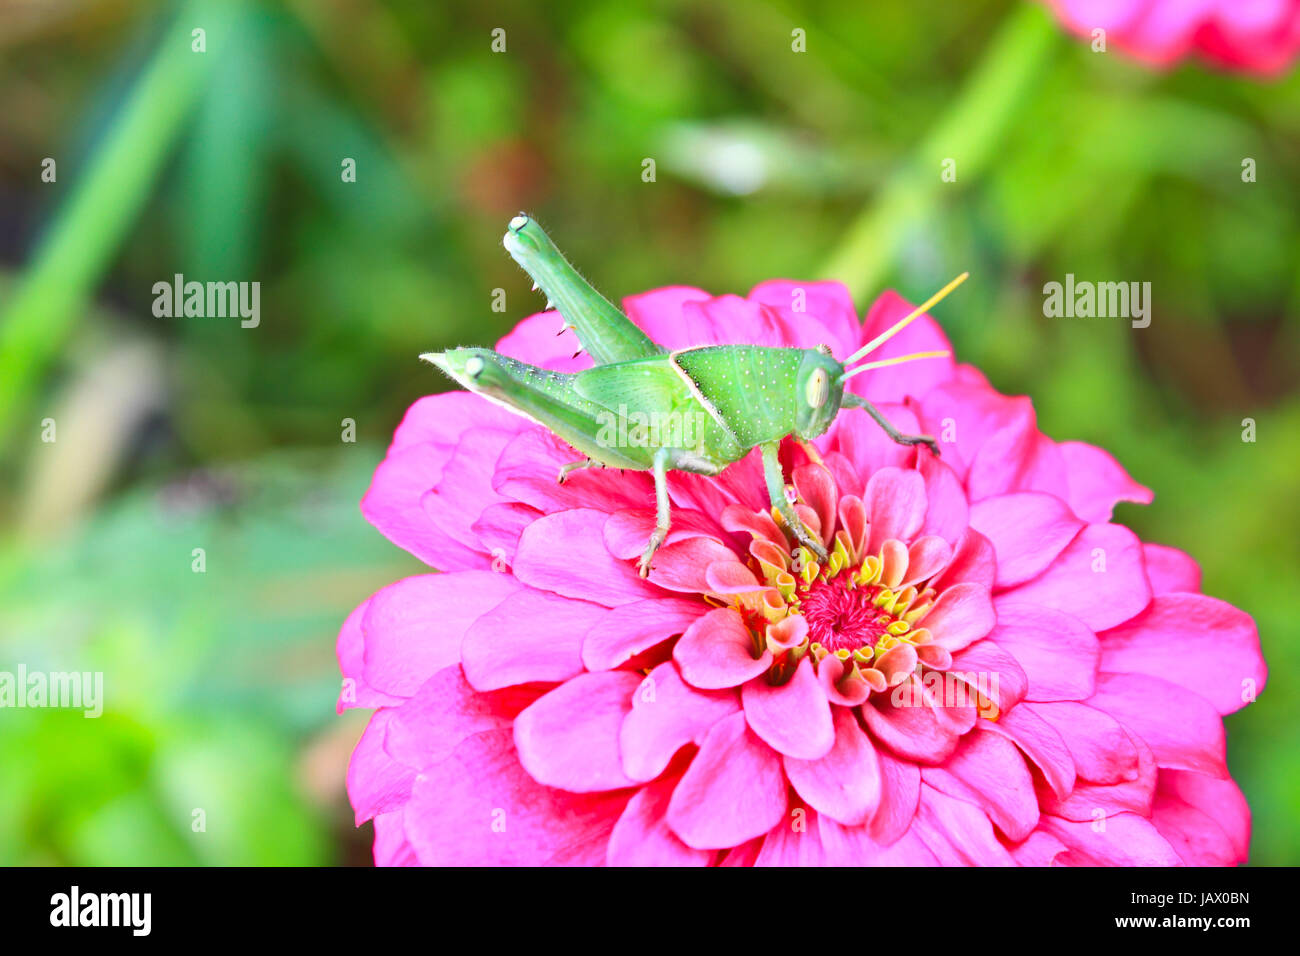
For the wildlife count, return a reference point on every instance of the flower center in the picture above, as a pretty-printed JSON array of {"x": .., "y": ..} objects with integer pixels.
[
  {"x": 863, "y": 610},
  {"x": 843, "y": 617}
]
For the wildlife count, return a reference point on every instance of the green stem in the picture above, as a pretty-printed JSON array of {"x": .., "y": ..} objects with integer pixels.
[
  {"x": 51, "y": 295},
  {"x": 968, "y": 132}
]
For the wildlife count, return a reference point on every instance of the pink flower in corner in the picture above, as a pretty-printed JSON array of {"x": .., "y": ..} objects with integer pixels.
[
  {"x": 1255, "y": 36},
  {"x": 985, "y": 663}
]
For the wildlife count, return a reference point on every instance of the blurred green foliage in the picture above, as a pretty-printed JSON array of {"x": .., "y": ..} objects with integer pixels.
[{"x": 184, "y": 433}]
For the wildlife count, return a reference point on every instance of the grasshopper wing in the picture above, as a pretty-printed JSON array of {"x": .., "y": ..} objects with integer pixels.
[
  {"x": 653, "y": 401},
  {"x": 648, "y": 386}
]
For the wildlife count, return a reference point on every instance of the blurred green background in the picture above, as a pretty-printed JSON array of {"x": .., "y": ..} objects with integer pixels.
[{"x": 176, "y": 434}]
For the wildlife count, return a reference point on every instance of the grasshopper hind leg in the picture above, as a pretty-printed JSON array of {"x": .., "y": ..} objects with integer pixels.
[{"x": 663, "y": 512}]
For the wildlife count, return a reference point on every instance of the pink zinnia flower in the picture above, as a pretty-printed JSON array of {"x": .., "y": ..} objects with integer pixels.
[
  {"x": 1256, "y": 36},
  {"x": 986, "y": 671}
]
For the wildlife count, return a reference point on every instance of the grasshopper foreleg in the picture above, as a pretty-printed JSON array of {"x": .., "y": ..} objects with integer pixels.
[
  {"x": 663, "y": 514},
  {"x": 775, "y": 479},
  {"x": 894, "y": 433}
]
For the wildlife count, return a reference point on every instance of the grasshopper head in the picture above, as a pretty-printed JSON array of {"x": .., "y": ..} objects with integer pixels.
[
  {"x": 472, "y": 368},
  {"x": 818, "y": 393}
]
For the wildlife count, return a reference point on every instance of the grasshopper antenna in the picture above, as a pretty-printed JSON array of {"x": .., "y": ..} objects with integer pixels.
[
  {"x": 901, "y": 324},
  {"x": 892, "y": 361}
]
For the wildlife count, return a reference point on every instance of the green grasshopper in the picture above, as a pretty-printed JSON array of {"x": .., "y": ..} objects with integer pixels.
[{"x": 643, "y": 407}]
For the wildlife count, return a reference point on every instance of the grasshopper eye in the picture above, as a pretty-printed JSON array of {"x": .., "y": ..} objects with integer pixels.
[{"x": 818, "y": 388}]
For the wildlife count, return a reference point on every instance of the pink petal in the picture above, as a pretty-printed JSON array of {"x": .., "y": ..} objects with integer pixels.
[
  {"x": 1017, "y": 457},
  {"x": 743, "y": 855},
  {"x": 969, "y": 412},
  {"x": 855, "y": 846},
  {"x": 957, "y": 832},
  {"x": 1169, "y": 569},
  {"x": 391, "y": 846},
  {"x": 973, "y": 562},
  {"x": 1126, "y": 840},
  {"x": 463, "y": 491},
  {"x": 717, "y": 651},
  {"x": 569, "y": 737},
  {"x": 667, "y": 714},
  {"x": 787, "y": 633},
  {"x": 933, "y": 656},
  {"x": 844, "y": 689},
  {"x": 627, "y": 532},
  {"x": 962, "y": 615},
  {"x": 531, "y": 636},
  {"x": 1102, "y": 750},
  {"x": 900, "y": 791},
  {"x": 1097, "y": 482},
  {"x": 1041, "y": 744},
  {"x": 642, "y": 836},
  {"x": 684, "y": 566},
  {"x": 845, "y": 783},
  {"x": 731, "y": 319},
  {"x": 393, "y": 505},
  {"x": 893, "y": 562},
  {"x": 1122, "y": 796},
  {"x": 527, "y": 469},
  {"x": 660, "y": 315},
  {"x": 730, "y": 577},
  {"x": 866, "y": 446},
  {"x": 988, "y": 771},
  {"x": 816, "y": 488},
  {"x": 794, "y": 718},
  {"x": 413, "y": 628},
  {"x": 947, "y": 514},
  {"x": 1218, "y": 799},
  {"x": 1195, "y": 641},
  {"x": 498, "y": 529},
  {"x": 989, "y": 670},
  {"x": 376, "y": 782},
  {"x": 1058, "y": 653},
  {"x": 738, "y": 519},
  {"x": 741, "y": 483},
  {"x": 853, "y": 517},
  {"x": 733, "y": 791},
  {"x": 480, "y": 808},
  {"x": 911, "y": 729},
  {"x": 439, "y": 420},
  {"x": 446, "y": 710},
  {"x": 897, "y": 663},
  {"x": 896, "y": 504},
  {"x": 795, "y": 842},
  {"x": 565, "y": 553},
  {"x": 351, "y": 654},
  {"x": 1195, "y": 836},
  {"x": 826, "y": 306},
  {"x": 1028, "y": 530},
  {"x": 925, "y": 558},
  {"x": 1040, "y": 848},
  {"x": 1180, "y": 727},
  {"x": 1099, "y": 579},
  {"x": 627, "y": 631}
]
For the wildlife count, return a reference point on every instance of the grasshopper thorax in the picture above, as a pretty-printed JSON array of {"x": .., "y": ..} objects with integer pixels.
[{"x": 818, "y": 392}]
